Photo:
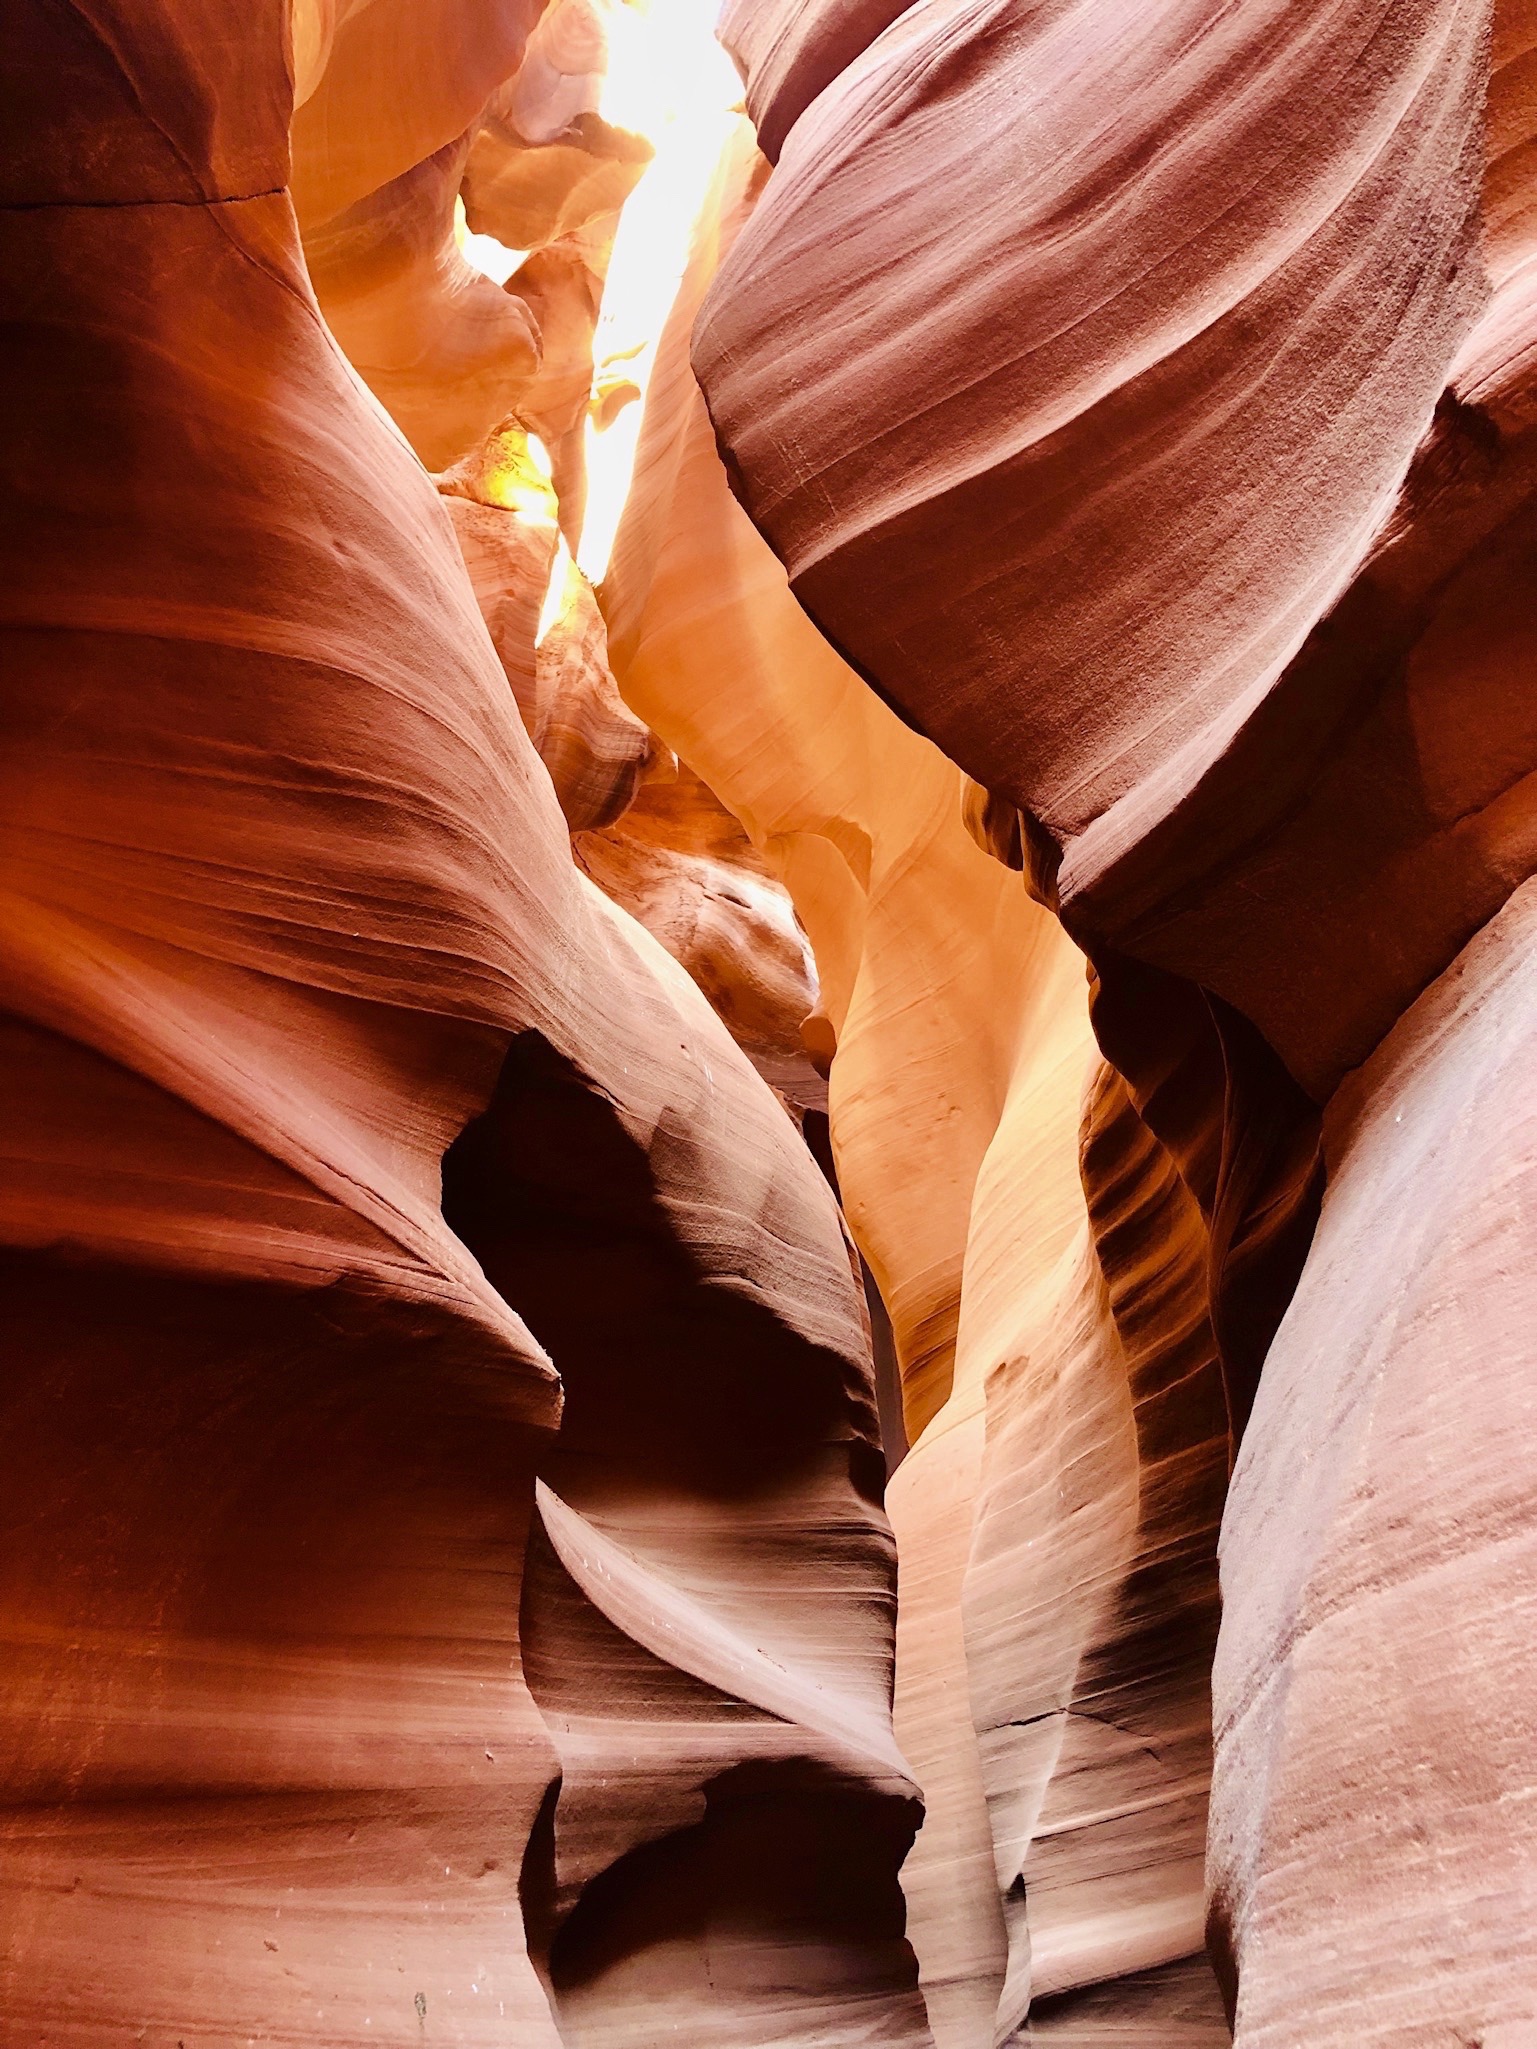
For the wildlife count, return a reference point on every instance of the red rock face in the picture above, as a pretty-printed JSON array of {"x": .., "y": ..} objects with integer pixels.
[
  {"x": 1173, "y": 211},
  {"x": 446, "y": 1588},
  {"x": 327, "y": 1076},
  {"x": 1163, "y": 604},
  {"x": 787, "y": 55}
]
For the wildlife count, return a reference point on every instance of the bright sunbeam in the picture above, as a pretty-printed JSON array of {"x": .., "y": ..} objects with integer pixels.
[{"x": 670, "y": 81}]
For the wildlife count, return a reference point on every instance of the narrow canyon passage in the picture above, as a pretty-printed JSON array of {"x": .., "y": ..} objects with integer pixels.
[{"x": 768, "y": 1171}]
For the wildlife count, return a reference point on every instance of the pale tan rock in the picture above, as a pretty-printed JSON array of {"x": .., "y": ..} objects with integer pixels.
[
  {"x": 446, "y": 352},
  {"x": 725, "y": 919},
  {"x": 385, "y": 84}
]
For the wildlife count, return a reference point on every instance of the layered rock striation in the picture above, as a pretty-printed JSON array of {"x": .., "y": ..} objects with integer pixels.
[
  {"x": 1043, "y": 1266},
  {"x": 971, "y": 968},
  {"x": 1141, "y": 409},
  {"x": 328, "y": 1077}
]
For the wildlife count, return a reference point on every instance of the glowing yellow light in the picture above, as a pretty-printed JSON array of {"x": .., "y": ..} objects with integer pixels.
[
  {"x": 669, "y": 80},
  {"x": 561, "y": 594},
  {"x": 517, "y": 476}
]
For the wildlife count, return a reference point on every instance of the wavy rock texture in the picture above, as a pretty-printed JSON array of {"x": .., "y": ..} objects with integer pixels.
[
  {"x": 445, "y": 350},
  {"x": 444, "y": 1582},
  {"x": 861, "y": 820},
  {"x": 410, "y": 107},
  {"x": 680, "y": 862},
  {"x": 548, "y": 632},
  {"x": 1093, "y": 682},
  {"x": 714, "y": 1466},
  {"x": 647, "y": 832},
  {"x": 1055, "y": 1354},
  {"x": 787, "y": 55},
  {"x": 289, "y": 916},
  {"x": 1143, "y": 408},
  {"x": 1326, "y": 764},
  {"x": 1276, "y": 743},
  {"x": 382, "y": 85},
  {"x": 1090, "y": 1596},
  {"x": 1266, "y": 230}
]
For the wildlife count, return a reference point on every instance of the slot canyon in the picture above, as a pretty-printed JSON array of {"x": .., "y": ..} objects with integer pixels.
[{"x": 768, "y": 979}]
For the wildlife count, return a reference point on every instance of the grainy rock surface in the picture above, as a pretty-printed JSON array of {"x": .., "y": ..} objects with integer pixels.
[{"x": 1375, "y": 1723}]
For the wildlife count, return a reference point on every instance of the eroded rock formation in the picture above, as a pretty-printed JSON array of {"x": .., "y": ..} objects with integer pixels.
[
  {"x": 291, "y": 919},
  {"x": 1057, "y": 1515},
  {"x": 1049, "y": 753},
  {"x": 1141, "y": 406}
]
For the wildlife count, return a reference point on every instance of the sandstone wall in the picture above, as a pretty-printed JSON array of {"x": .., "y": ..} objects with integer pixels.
[
  {"x": 328, "y": 1078},
  {"x": 1141, "y": 406},
  {"x": 1053, "y": 742}
]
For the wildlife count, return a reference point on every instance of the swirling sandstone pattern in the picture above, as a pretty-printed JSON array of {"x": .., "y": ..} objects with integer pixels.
[
  {"x": 1054, "y": 1347},
  {"x": 1251, "y": 313},
  {"x": 647, "y": 831},
  {"x": 410, "y": 109},
  {"x": 445, "y": 1592},
  {"x": 1142, "y": 405},
  {"x": 289, "y": 914}
]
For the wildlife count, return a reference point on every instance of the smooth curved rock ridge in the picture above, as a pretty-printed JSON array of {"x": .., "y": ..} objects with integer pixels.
[
  {"x": 712, "y": 1503},
  {"x": 232, "y": 1693},
  {"x": 1311, "y": 789},
  {"x": 788, "y": 54},
  {"x": 446, "y": 351},
  {"x": 288, "y": 904},
  {"x": 1274, "y": 800},
  {"x": 548, "y": 632},
  {"x": 672, "y": 1625},
  {"x": 961, "y": 1177},
  {"x": 1089, "y": 1596},
  {"x": 678, "y": 861},
  {"x": 1300, "y": 178},
  {"x": 1123, "y": 1887},
  {"x": 1380, "y": 804},
  {"x": 382, "y": 85}
]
